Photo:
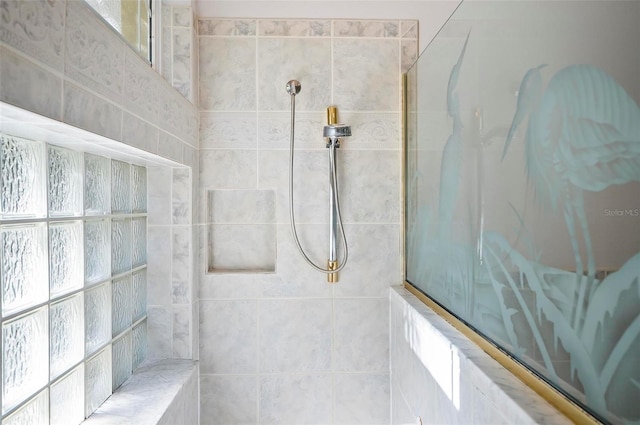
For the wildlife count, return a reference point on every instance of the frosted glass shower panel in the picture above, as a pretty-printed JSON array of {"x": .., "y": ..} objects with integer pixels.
[
  {"x": 523, "y": 189},
  {"x": 139, "y": 344},
  {"x": 122, "y": 305},
  {"x": 23, "y": 193},
  {"x": 24, "y": 261},
  {"x": 97, "y": 380},
  {"x": 66, "y": 320},
  {"x": 36, "y": 411},
  {"x": 97, "y": 316},
  {"x": 120, "y": 245},
  {"x": 120, "y": 187},
  {"x": 65, "y": 182},
  {"x": 66, "y": 257},
  {"x": 139, "y": 297},
  {"x": 97, "y": 185},
  {"x": 139, "y": 236},
  {"x": 97, "y": 250},
  {"x": 25, "y": 357},
  {"x": 122, "y": 361},
  {"x": 138, "y": 189},
  {"x": 67, "y": 398}
]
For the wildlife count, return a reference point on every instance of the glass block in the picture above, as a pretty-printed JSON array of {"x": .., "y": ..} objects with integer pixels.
[
  {"x": 139, "y": 344},
  {"x": 139, "y": 189},
  {"x": 97, "y": 185},
  {"x": 66, "y": 320},
  {"x": 97, "y": 250},
  {"x": 25, "y": 357},
  {"x": 120, "y": 245},
  {"x": 121, "y": 360},
  {"x": 97, "y": 317},
  {"x": 23, "y": 190},
  {"x": 35, "y": 412},
  {"x": 139, "y": 289},
  {"x": 97, "y": 380},
  {"x": 67, "y": 398},
  {"x": 65, "y": 182},
  {"x": 65, "y": 257},
  {"x": 121, "y": 311},
  {"x": 120, "y": 187},
  {"x": 139, "y": 230},
  {"x": 25, "y": 280}
]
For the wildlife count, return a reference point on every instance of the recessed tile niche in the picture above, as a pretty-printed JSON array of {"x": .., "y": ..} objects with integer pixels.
[{"x": 241, "y": 234}]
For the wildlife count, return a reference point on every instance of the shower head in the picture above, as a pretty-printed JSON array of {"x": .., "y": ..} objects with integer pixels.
[
  {"x": 333, "y": 131},
  {"x": 293, "y": 87}
]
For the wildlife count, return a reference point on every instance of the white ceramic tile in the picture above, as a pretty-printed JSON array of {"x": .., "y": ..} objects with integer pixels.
[
  {"x": 159, "y": 265},
  {"x": 274, "y": 130},
  {"x": 242, "y": 206},
  {"x": 94, "y": 54},
  {"x": 374, "y": 261},
  {"x": 230, "y": 285},
  {"x": 141, "y": 87},
  {"x": 292, "y": 399},
  {"x": 294, "y": 335},
  {"x": 32, "y": 87},
  {"x": 88, "y": 112},
  {"x": 227, "y": 74},
  {"x": 401, "y": 414},
  {"x": 234, "y": 130},
  {"x": 228, "y": 399},
  {"x": 307, "y": 60},
  {"x": 227, "y": 27},
  {"x": 181, "y": 196},
  {"x": 169, "y": 146},
  {"x": 361, "y": 334},
  {"x": 361, "y": 399},
  {"x": 371, "y": 131},
  {"x": 181, "y": 344},
  {"x": 228, "y": 336},
  {"x": 294, "y": 28},
  {"x": 347, "y": 28},
  {"x": 409, "y": 52},
  {"x": 181, "y": 16},
  {"x": 139, "y": 133},
  {"x": 370, "y": 79},
  {"x": 159, "y": 324},
  {"x": 35, "y": 29},
  {"x": 177, "y": 115},
  {"x": 159, "y": 195},
  {"x": 242, "y": 248},
  {"x": 228, "y": 169},
  {"x": 181, "y": 252},
  {"x": 182, "y": 61}
]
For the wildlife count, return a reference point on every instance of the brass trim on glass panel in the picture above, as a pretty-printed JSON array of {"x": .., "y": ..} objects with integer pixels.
[{"x": 554, "y": 397}]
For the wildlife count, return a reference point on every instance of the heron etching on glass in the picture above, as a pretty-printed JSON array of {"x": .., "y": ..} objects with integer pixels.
[{"x": 583, "y": 134}]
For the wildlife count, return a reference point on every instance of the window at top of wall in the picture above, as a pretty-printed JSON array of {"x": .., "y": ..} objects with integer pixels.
[{"x": 130, "y": 18}]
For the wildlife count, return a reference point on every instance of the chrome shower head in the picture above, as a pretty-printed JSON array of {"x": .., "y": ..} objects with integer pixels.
[
  {"x": 293, "y": 87},
  {"x": 333, "y": 131}
]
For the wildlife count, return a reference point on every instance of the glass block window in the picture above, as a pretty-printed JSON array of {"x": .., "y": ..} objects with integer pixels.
[{"x": 73, "y": 228}]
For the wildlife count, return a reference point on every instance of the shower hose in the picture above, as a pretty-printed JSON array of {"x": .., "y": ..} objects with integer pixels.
[{"x": 333, "y": 182}]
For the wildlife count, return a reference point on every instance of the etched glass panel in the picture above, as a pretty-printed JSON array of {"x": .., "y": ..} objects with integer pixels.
[
  {"x": 110, "y": 10},
  {"x": 65, "y": 257},
  {"x": 121, "y": 304},
  {"x": 120, "y": 245},
  {"x": 24, "y": 266},
  {"x": 97, "y": 248},
  {"x": 25, "y": 357},
  {"x": 67, "y": 398},
  {"x": 120, "y": 187},
  {"x": 23, "y": 191},
  {"x": 97, "y": 185},
  {"x": 139, "y": 337},
  {"x": 66, "y": 320},
  {"x": 97, "y": 316},
  {"x": 121, "y": 360},
  {"x": 139, "y": 287},
  {"x": 65, "y": 182},
  {"x": 97, "y": 380},
  {"x": 139, "y": 229},
  {"x": 35, "y": 412},
  {"x": 139, "y": 189}
]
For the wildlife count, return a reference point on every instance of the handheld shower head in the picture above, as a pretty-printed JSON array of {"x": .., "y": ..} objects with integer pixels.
[{"x": 293, "y": 87}]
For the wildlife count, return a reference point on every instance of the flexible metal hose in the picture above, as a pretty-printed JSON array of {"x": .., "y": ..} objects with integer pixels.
[{"x": 333, "y": 181}]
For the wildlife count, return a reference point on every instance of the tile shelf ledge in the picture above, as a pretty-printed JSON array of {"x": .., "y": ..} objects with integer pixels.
[{"x": 158, "y": 393}]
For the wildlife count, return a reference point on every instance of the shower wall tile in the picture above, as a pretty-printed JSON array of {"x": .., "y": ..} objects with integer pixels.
[
  {"x": 227, "y": 27},
  {"x": 409, "y": 29},
  {"x": 409, "y": 52},
  {"x": 274, "y": 130},
  {"x": 361, "y": 335},
  {"x": 238, "y": 172},
  {"x": 228, "y": 336},
  {"x": 159, "y": 331},
  {"x": 181, "y": 339},
  {"x": 32, "y": 87},
  {"x": 178, "y": 116},
  {"x": 181, "y": 16},
  {"x": 94, "y": 53},
  {"x": 275, "y": 68},
  {"x": 347, "y": 28},
  {"x": 294, "y": 335},
  {"x": 181, "y": 251},
  {"x": 229, "y": 249},
  {"x": 89, "y": 112},
  {"x": 142, "y": 92},
  {"x": 294, "y": 28},
  {"x": 169, "y": 146},
  {"x": 228, "y": 399},
  {"x": 139, "y": 133},
  {"x": 231, "y": 130},
  {"x": 182, "y": 60},
  {"x": 159, "y": 265},
  {"x": 241, "y": 206},
  {"x": 231, "y": 87},
  {"x": 359, "y": 86},
  {"x": 159, "y": 198},
  {"x": 371, "y": 131},
  {"x": 295, "y": 398},
  {"x": 181, "y": 197},
  {"x": 361, "y": 399},
  {"x": 41, "y": 36}
]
